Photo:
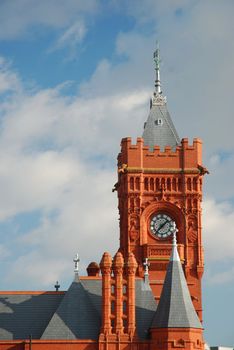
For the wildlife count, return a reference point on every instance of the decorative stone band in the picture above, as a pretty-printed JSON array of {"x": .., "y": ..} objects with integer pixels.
[{"x": 159, "y": 100}]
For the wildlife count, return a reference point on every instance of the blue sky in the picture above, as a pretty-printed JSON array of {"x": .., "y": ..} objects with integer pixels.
[{"x": 76, "y": 77}]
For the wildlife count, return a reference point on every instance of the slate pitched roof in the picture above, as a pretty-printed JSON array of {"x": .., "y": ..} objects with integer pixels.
[
  {"x": 145, "y": 308},
  {"x": 175, "y": 308},
  {"x": 76, "y": 317},
  {"x": 70, "y": 315},
  {"x": 23, "y": 314},
  {"x": 159, "y": 129}
]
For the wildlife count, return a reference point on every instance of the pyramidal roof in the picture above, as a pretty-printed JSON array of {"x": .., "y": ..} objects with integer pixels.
[
  {"x": 159, "y": 129},
  {"x": 175, "y": 308},
  {"x": 75, "y": 317}
]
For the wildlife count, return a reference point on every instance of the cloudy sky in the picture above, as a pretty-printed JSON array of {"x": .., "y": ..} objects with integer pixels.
[{"x": 76, "y": 77}]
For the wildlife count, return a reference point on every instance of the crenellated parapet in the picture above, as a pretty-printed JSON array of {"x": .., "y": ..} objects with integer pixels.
[
  {"x": 177, "y": 338},
  {"x": 135, "y": 157}
]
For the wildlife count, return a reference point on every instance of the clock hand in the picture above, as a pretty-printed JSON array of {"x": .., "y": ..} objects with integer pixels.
[{"x": 162, "y": 225}]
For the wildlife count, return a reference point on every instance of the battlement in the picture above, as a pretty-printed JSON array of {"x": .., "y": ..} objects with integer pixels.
[{"x": 140, "y": 156}]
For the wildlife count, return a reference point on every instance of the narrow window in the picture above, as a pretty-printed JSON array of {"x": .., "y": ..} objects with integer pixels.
[
  {"x": 112, "y": 307},
  {"x": 146, "y": 184},
  {"x": 189, "y": 187},
  {"x": 124, "y": 306},
  {"x": 137, "y": 183},
  {"x": 157, "y": 184},
  {"x": 195, "y": 184},
  {"x": 174, "y": 184},
  {"x": 168, "y": 184}
]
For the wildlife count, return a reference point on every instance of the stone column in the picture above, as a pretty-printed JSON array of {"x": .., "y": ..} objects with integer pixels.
[
  {"x": 131, "y": 267},
  {"x": 105, "y": 266},
  {"x": 118, "y": 265}
]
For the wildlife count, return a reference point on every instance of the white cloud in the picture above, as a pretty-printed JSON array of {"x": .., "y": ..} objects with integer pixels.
[
  {"x": 46, "y": 143},
  {"x": 8, "y": 79},
  {"x": 72, "y": 36},
  {"x": 18, "y": 17},
  {"x": 218, "y": 236},
  {"x": 222, "y": 278},
  {"x": 33, "y": 181},
  {"x": 218, "y": 232}
]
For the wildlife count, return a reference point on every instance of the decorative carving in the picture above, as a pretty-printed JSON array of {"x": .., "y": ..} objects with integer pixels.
[
  {"x": 202, "y": 170},
  {"x": 122, "y": 168},
  {"x": 133, "y": 235},
  {"x": 163, "y": 189},
  {"x": 115, "y": 187},
  {"x": 134, "y": 227},
  {"x": 160, "y": 252},
  {"x": 192, "y": 229},
  {"x": 158, "y": 100}
]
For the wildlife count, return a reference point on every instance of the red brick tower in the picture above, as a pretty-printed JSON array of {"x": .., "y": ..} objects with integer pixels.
[{"x": 160, "y": 181}]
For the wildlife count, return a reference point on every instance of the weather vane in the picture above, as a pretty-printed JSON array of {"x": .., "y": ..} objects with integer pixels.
[
  {"x": 76, "y": 261},
  {"x": 157, "y": 60}
]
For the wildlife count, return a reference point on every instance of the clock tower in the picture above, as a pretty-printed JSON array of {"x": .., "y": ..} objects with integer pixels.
[{"x": 159, "y": 184}]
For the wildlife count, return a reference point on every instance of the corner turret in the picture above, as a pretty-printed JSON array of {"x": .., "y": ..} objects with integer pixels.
[{"x": 175, "y": 317}]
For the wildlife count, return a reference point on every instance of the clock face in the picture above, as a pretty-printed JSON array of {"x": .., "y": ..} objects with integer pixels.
[{"x": 161, "y": 225}]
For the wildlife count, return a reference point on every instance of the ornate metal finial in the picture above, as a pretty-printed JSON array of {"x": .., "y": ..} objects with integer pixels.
[
  {"x": 158, "y": 98},
  {"x": 174, "y": 254},
  {"x": 76, "y": 261},
  {"x": 157, "y": 56},
  {"x": 157, "y": 62},
  {"x": 174, "y": 230},
  {"x": 57, "y": 286},
  {"x": 146, "y": 266}
]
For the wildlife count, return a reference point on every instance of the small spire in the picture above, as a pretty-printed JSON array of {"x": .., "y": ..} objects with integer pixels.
[
  {"x": 175, "y": 308},
  {"x": 174, "y": 253},
  {"x": 76, "y": 261},
  {"x": 146, "y": 266},
  {"x": 57, "y": 286},
  {"x": 157, "y": 99},
  {"x": 157, "y": 61}
]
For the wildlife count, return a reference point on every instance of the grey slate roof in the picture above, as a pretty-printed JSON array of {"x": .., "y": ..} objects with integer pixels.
[
  {"x": 24, "y": 314},
  {"x": 160, "y": 135},
  {"x": 75, "y": 314},
  {"x": 145, "y": 308},
  {"x": 175, "y": 308}
]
